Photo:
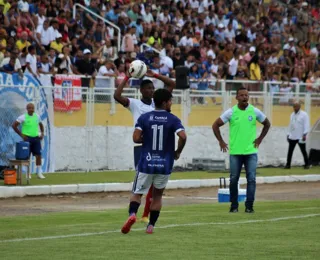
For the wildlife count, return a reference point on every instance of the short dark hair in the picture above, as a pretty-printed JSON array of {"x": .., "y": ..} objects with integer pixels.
[
  {"x": 31, "y": 48},
  {"x": 241, "y": 88},
  {"x": 161, "y": 95},
  {"x": 145, "y": 82}
]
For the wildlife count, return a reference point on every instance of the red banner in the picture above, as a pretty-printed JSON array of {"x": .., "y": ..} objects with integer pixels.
[{"x": 67, "y": 93}]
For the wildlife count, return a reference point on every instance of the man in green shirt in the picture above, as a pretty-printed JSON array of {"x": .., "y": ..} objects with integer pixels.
[
  {"x": 30, "y": 124},
  {"x": 243, "y": 145}
]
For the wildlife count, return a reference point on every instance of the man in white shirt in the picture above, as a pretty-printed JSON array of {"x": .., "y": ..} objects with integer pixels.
[
  {"x": 44, "y": 35},
  {"x": 31, "y": 62},
  {"x": 186, "y": 40},
  {"x": 106, "y": 70},
  {"x": 137, "y": 108},
  {"x": 297, "y": 134},
  {"x": 17, "y": 65},
  {"x": 290, "y": 45}
]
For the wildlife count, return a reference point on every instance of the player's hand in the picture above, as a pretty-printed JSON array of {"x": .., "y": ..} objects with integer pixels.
[
  {"x": 41, "y": 136},
  {"x": 223, "y": 146},
  {"x": 176, "y": 155},
  {"x": 149, "y": 73},
  {"x": 257, "y": 142},
  {"x": 304, "y": 137},
  {"x": 25, "y": 138}
]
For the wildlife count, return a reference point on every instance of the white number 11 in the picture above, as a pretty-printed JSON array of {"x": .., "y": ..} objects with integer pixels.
[{"x": 155, "y": 137}]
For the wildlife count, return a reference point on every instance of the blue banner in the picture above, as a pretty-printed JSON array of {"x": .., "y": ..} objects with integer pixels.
[{"x": 15, "y": 93}]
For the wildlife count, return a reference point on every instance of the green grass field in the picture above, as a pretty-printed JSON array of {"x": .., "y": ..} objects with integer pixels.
[
  {"x": 278, "y": 230},
  {"x": 127, "y": 176}
]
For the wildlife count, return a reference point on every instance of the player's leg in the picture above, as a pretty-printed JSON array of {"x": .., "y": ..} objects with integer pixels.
[
  {"x": 145, "y": 216},
  {"x": 37, "y": 154},
  {"x": 305, "y": 155},
  {"x": 236, "y": 162},
  {"x": 250, "y": 164},
  {"x": 137, "y": 153},
  {"x": 292, "y": 145},
  {"x": 141, "y": 186},
  {"x": 160, "y": 182}
]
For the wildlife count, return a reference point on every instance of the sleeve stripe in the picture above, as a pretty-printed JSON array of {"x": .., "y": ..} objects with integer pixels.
[
  {"x": 139, "y": 128},
  {"x": 179, "y": 130}
]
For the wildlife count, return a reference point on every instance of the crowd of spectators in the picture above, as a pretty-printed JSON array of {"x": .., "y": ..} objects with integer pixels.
[{"x": 273, "y": 40}]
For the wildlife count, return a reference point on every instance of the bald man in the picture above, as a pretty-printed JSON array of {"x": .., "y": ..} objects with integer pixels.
[
  {"x": 297, "y": 134},
  {"x": 30, "y": 124}
]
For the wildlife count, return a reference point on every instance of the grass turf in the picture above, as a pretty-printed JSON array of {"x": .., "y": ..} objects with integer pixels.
[
  {"x": 127, "y": 176},
  {"x": 205, "y": 231}
]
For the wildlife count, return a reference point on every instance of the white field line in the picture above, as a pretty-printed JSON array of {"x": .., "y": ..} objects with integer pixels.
[
  {"x": 104, "y": 223},
  {"x": 160, "y": 227}
]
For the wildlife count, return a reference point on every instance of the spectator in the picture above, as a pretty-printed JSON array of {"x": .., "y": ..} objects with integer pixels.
[
  {"x": 13, "y": 57},
  {"x": 85, "y": 66},
  {"x": 57, "y": 45},
  {"x": 178, "y": 60},
  {"x": 31, "y": 62},
  {"x": 89, "y": 19},
  {"x": 128, "y": 40},
  {"x": 255, "y": 74},
  {"x": 22, "y": 42},
  {"x": 44, "y": 66},
  {"x": 108, "y": 69},
  {"x": 44, "y": 35}
]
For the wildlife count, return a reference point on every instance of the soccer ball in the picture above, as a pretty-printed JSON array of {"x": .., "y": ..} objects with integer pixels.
[{"x": 137, "y": 69}]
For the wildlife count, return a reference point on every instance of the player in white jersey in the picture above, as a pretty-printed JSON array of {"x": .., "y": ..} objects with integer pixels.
[{"x": 139, "y": 107}]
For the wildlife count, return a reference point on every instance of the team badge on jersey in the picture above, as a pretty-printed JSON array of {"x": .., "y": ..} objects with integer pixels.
[{"x": 250, "y": 118}]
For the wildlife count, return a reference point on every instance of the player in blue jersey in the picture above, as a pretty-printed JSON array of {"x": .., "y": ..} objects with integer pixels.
[{"x": 156, "y": 131}]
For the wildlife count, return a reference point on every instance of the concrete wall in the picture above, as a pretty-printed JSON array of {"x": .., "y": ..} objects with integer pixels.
[{"x": 112, "y": 148}]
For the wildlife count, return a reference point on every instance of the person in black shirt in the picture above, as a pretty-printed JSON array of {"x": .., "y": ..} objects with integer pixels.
[
  {"x": 85, "y": 66},
  {"x": 86, "y": 43},
  {"x": 177, "y": 59},
  {"x": 241, "y": 36}
]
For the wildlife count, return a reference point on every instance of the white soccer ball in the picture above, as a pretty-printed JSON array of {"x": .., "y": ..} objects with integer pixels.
[{"x": 137, "y": 69}]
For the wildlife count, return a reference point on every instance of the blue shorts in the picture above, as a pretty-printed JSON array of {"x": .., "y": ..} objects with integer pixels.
[{"x": 35, "y": 145}]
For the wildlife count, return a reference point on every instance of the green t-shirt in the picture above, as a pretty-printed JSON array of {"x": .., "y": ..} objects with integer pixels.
[
  {"x": 243, "y": 129},
  {"x": 30, "y": 125}
]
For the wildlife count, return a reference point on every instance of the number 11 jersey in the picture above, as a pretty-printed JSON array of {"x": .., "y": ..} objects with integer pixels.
[{"x": 159, "y": 128}]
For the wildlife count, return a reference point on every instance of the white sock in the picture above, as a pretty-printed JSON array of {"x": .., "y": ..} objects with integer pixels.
[{"x": 39, "y": 170}]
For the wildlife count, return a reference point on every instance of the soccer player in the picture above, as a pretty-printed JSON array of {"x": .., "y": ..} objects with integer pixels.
[
  {"x": 156, "y": 131},
  {"x": 243, "y": 145},
  {"x": 137, "y": 108}
]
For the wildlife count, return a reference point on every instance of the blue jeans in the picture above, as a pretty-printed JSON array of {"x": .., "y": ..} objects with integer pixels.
[{"x": 250, "y": 163}]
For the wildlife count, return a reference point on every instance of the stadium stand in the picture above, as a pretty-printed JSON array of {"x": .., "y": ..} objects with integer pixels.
[{"x": 242, "y": 39}]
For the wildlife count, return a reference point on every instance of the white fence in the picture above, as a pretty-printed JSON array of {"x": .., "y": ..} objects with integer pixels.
[{"x": 95, "y": 144}]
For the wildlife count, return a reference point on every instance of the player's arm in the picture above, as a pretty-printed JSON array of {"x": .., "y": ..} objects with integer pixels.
[
  {"x": 137, "y": 136},
  {"x": 181, "y": 143},
  {"x": 16, "y": 129},
  {"x": 266, "y": 126},
  {"x": 166, "y": 80},
  {"x": 118, "y": 93},
  {"x": 41, "y": 129},
  {"x": 216, "y": 130}
]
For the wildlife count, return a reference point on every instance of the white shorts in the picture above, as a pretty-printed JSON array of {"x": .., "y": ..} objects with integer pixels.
[{"x": 143, "y": 182}]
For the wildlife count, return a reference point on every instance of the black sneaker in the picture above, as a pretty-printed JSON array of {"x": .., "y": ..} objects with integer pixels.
[
  {"x": 286, "y": 167},
  {"x": 306, "y": 167},
  {"x": 233, "y": 210},
  {"x": 249, "y": 210}
]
